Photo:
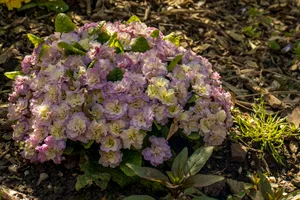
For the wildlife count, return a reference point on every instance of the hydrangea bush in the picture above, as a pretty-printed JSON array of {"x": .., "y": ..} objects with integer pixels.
[{"x": 111, "y": 84}]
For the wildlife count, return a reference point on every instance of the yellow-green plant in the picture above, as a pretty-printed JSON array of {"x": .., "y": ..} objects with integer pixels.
[{"x": 266, "y": 130}]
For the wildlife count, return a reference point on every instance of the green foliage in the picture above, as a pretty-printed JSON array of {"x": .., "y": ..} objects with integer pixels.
[
  {"x": 96, "y": 29},
  {"x": 155, "y": 34},
  {"x": 92, "y": 174},
  {"x": 44, "y": 50},
  {"x": 274, "y": 45},
  {"x": 139, "y": 197},
  {"x": 35, "y": 40},
  {"x": 72, "y": 49},
  {"x": 103, "y": 37},
  {"x": 174, "y": 62},
  {"x": 115, "y": 75},
  {"x": 63, "y": 23},
  {"x": 173, "y": 38},
  {"x": 183, "y": 174},
  {"x": 113, "y": 42},
  {"x": 133, "y": 18},
  {"x": 251, "y": 32},
  {"x": 131, "y": 157},
  {"x": 140, "y": 45},
  {"x": 13, "y": 74},
  {"x": 297, "y": 50},
  {"x": 268, "y": 131},
  {"x": 56, "y": 5}
]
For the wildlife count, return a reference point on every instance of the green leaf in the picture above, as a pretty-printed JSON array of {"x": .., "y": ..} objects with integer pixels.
[
  {"x": 139, "y": 197},
  {"x": 44, "y": 50},
  {"x": 193, "y": 98},
  {"x": 237, "y": 186},
  {"x": 174, "y": 62},
  {"x": 121, "y": 178},
  {"x": 172, "y": 177},
  {"x": 96, "y": 29},
  {"x": 157, "y": 125},
  {"x": 115, "y": 75},
  {"x": 133, "y": 18},
  {"x": 194, "y": 136},
  {"x": 197, "y": 160},
  {"x": 68, "y": 150},
  {"x": 88, "y": 179},
  {"x": 88, "y": 145},
  {"x": 179, "y": 164},
  {"x": 56, "y": 6},
  {"x": 140, "y": 45},
  {"x": 149, "y": 173},
  {"x": 103, "y": 38},
  {"x": 13, "y": 74},
  {"x": 203, "y": 198},
  {"x": 130, "y": 157},
  {"x": 28, "y": 6},
  {"x": 172, "y": 38},
  {"x": 264, "y": 186},
  {"x": 118, "y": 46},
  {"x": 91, "y": 64},
  {"x": 64, "y": 24},
  {"x": 165, "y": 131},
  {"x": 70, "y": 49},
  {"x": 155, "y": 34},
  {"x": 202, "y": 180},
  {"x": 191, "y": 191},
  {"x": 35, "y": 40},
  {"x": 274, "y": 45}
]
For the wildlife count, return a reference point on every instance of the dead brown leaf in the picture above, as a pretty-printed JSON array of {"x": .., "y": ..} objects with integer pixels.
[{"x": 294, "y": 117}]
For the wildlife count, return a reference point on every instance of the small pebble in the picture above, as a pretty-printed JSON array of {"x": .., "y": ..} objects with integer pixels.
[
  {"x": 13, "y": 168},
  {"x": 7, "y": 156},
  {"x": 26, "y": 173},
  {"x": 43, "y": 176},
  {"x": 240, "y": 170},
  {"x": 60, "y": 174},
  {"x": 272, "y": 179},
  {"x": 49, "y": 186}
]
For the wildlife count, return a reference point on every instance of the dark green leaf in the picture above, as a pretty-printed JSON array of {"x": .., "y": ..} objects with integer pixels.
[
  {"x": 96, "y": 29},
  {"x": 133, "y": 18},
  {"x": 197, "y": 160},
  {"x": 121, "y": 178},
  {"x": 70, "y": 49},
  {"x": 165, "y": 131},
  {"x": 203, "y": 198},
  {"x": 193, "y": 98},
  {"x": 78, "y": 46},
  {"x": 35, "y": 40},
  {"x": 104, "y": 180},
  {"x": 63, "y": 23},
  {"x": 82, "y": 181},
  {"x": 149, "y": 173},
  {"x": 28, "y": 5},
  {"x": 194, "y": 136},
  {"x": 202, "y": 180},
  {"x": 155, "y": 34},
  {"x": 174, "y": 62},
  {"x": 139, "y": 197},
  {"x": 179, "y": 164},
  {"x": 157, "y": 125},
  {"x": 191, "y": 190},
  {"x": 56, "y": 6},
  {"x": 115, "y": 75},
  {"x": 172, "y": 38},
  {"x": 68, "y": 150},
  {"x": 130, "y": 157},
  {"x": 103, "y": 37},
  {"x": 12, "y": 75},
  {"x": 140, "y": 45},
  {"x": 264, "y": 186},
  {"x": 172, "y": 177},
  {"x": 88, "y": 145},
  {"x": 237, "y": 186},
  {"x": 274, "y": 45}
]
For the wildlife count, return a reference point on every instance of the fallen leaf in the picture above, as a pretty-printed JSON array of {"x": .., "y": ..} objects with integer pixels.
[
  {"x": 294, "y": 117},
  {"x": 236, "y": 36}
]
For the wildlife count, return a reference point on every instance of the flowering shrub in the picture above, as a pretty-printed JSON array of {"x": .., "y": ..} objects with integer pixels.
[{"x": 111, "y": 84}]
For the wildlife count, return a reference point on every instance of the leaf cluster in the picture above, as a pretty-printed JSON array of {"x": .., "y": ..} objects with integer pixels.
[{"x": 183, "y": 179}]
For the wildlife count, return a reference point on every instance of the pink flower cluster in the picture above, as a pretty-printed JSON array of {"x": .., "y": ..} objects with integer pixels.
[{"x": 68, "y": 96}]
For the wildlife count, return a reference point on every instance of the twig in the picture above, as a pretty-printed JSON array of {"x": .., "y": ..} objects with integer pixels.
[
  {"x": 275, "y": 92},
  {"x": 147, "y": 12},
  {"x": 88, "y": 7},
  {"x": 45, "y": 16},
  {"x": 270, "y": 71},
  {"x": 10, "y": 194}
]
